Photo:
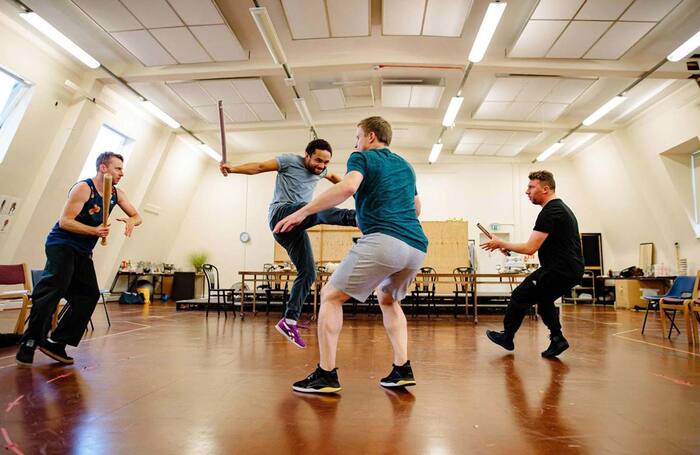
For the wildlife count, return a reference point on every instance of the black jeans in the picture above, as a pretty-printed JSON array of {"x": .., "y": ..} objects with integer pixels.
[
  {"x": 298, "y": 247},
  {"x": 71, "y": 275},
  {"x": 541, "y": 287}
]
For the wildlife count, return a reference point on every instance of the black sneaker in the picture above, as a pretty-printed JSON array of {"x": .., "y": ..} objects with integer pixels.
[
  {"x": 400, "y": 376},
  {"x": 25, "y": 353},
  {"x": 556, "y": 346},
  {"x": 56, "y": 351},
  {"x": 320, "y": 381},
  {"x": 501, "y": 339}
]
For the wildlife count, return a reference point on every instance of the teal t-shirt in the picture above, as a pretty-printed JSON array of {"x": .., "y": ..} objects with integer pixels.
[{"x": 385, "y": 200}]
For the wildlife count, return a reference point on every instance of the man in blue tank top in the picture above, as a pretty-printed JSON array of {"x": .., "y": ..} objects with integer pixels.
[
  {"x": 297, "y": 177},
  {"x": 69, "y": 272}
]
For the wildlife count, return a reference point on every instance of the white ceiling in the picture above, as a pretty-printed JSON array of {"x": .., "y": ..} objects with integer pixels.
[
  {"x": 244, "y": 100},
  {"x": 589, "y": 29},
  {"x": 485, "y": 142},
  {"x": 167, "y": 32},
  {"x": 342, "y": 53}
]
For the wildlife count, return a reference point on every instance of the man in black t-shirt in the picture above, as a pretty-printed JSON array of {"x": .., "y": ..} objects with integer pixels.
[{"x": 557, "y": 239}]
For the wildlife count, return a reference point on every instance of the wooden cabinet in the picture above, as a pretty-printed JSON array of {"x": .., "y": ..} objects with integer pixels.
[{"x": 628, "y": 292}]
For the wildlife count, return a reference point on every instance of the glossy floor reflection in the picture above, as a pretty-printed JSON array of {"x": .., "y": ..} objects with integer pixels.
[{"x": 165, "y": 382}]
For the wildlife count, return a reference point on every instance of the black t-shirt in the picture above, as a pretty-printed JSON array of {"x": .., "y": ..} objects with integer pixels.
[{"x": 561, "y": 250}]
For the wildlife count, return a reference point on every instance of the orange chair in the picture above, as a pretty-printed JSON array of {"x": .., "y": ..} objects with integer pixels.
[{"x": 695, "y": 319}]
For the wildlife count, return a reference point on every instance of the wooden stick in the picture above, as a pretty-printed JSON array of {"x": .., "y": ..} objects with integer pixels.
[
  {"x": 223, "y": 131},
  {"x": 106, "y": 199}
]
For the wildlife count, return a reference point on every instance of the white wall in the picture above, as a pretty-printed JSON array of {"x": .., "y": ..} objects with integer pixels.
[{"x": 632, "y": 187}]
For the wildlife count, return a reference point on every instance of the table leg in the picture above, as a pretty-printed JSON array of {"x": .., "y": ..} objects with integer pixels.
[
  {"x": 255, "y": 293},
  {"x": 476, "y": 312}
]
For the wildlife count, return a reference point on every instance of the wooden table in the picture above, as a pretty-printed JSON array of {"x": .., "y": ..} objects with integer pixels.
[{"x": 471, "y": 281}]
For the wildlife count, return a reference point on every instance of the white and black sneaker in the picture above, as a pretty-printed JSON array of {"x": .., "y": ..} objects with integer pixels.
[
  {"x": 320, "y": 381},
  {"x": 56, "y": 351},
  {"x": 400, "y": 376}
]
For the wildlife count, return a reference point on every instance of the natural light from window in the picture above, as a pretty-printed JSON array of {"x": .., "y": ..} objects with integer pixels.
[
  {"x": 14, "y": 98},
  {"x": 108, "y": 140}
]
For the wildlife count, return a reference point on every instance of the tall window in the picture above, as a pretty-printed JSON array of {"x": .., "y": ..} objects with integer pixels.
[
  {"x": 108, "y": 140},
  {"x": 14, "y": 98}
]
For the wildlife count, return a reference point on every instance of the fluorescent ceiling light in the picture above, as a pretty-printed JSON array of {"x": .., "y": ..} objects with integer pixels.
[
  {"x": 267, "y": 30},
  {"x": 452, "y": 111},
  {"x": 685, "y": 49},
  {"x": 162, "y": 116},
  {"x": 303, "y": 109},
  {"x": 210, "y": 151},
  {"x": 488, "y": 28},
  {"x": 550, "y": 151},
  {"x": 59, "y": 38},
  {"x": 646, "y": 98},
  {"x": 581, "y": 142},
  {"x": 435, "y": 152},
  {"x": 604, "y": 109}
]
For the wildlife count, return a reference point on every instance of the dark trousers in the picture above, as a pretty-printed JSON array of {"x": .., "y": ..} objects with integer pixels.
[
  {"x": 541, "y": 287},
  {"x": 298, "y": 247},
  {"x": 71, "y": 275}
]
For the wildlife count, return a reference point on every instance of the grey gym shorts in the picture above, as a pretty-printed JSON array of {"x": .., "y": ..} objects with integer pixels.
[{"x": 378, "y": 261}]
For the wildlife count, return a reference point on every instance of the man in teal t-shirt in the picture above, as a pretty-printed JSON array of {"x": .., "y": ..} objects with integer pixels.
[{"x": 386, "y": 258}]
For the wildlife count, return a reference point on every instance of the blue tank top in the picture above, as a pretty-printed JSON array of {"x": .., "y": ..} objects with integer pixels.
[{"x": 91, "y": 215}]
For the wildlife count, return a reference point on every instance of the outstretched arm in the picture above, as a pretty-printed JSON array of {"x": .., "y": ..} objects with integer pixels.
[
  {"x": 533, "y": 244},
  {"x": 332, "y": 197},
  {"x": 134, "y": 219},
  {"x": 249, "y": 168}
]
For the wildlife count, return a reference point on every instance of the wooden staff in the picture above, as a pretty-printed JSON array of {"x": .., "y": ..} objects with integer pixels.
[
  {"x": 106, "y": 199},
  {"x": 223, "y": 132}
]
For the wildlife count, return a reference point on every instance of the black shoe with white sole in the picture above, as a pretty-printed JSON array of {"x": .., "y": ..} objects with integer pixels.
[
  {"x": 400, "y": 376},
  {"x": 56, "y": 351},
  {"x": 557, "y": 345}
]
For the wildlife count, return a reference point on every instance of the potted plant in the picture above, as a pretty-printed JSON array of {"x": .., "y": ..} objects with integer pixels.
[{"x": 197, "y": 259}]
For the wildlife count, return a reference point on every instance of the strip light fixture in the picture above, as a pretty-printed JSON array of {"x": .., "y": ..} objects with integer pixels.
[
  {"x": 486, "y": 30},
  {"x": 59, "y": 38}
]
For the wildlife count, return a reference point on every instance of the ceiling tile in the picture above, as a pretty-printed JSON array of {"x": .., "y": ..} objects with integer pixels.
[
  {"x": 192, "y": 93},
  {"x": 396, "y": 95},
  {"x": 111, "y": 15},
  {"x": 153, "y": 13},
  {"x": 492, "y": 110},
  {"x": 240, "y": 113},
  {"x": 520, "y": 110},
  {"x": 220, "y": 42},
  {"x": 197, "y": 12},
  {"x": 402, "y": 17},
  {"x": 487, "y": 150},
  {"x": 509, "y": 150},
  {"x": 649, "y": 10},
  {"x": 537, "y": 38},
  {"x": 267, "y": 112},
  {"x": 567, "y": 90},
  {"x": 556, "y": 9},
  {"x": 505, "y": 89},
  {"x": 446, "y": 17},
  {"x": 536, "y": 88},
  {"x": 496, "y": 137},
  {"x": 619, "y": 39},
  {"x": 222, "y": 90},
  {"x": 473, "y": 136},
  {"x": 253, "y": 90},
  {"x": 211, "y": 114},
  {"x": 547, "y": 112},
  {"x": 144, "y": 47},
  {"x": 523, "y": 138},
  {"x": 348, "y": 17},
  {"x": 602, "y": 10},
  {"x": 466, "y": 149},
  {"x": 329, "y": 99},
  {"x": 426, "y": 96},
  {"x": 306, "y": 18},
  {"x": 578, "y": 37},
  {"x": 181, "y": 44}
]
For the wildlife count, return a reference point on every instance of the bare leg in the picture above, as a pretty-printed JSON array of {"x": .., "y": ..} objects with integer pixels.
[
  {"x": 395, "y": 325},
  {"x": 330, "y": 322}
]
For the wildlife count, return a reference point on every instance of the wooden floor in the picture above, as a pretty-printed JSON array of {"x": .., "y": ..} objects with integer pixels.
[{"x": 174, "y": 383}]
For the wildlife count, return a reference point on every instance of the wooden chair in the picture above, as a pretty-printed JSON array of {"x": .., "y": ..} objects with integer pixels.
[
  {"x": 16, "y": 275},
  {"x": 425, "y": 289},
  {"x": 461, "y": 289},
  {"x": 695, "y": 319},
  {"x": 667, "y": 304}
]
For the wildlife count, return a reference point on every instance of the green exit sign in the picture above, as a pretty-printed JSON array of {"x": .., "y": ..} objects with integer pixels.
[{"x": 495, "y": 226}]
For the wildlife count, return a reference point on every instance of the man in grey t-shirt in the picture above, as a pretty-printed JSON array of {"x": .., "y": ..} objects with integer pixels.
[{"x": 297, "y": 177}]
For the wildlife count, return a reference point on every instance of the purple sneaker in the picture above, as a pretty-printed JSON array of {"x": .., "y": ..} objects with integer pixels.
[{"x": 290, "y": 332}]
